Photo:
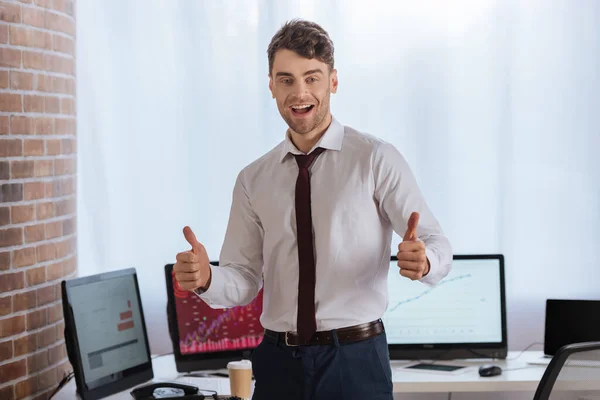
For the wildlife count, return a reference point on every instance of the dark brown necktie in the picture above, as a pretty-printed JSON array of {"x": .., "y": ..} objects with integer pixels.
[{"x": 307, "y": 324}]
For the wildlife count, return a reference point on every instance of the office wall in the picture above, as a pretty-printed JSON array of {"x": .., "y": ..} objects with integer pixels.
[
  {"x": 493, "y": 103},
  {"x": 37, "y": 198}
]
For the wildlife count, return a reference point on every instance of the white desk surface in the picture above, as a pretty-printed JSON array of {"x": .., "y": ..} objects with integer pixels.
[{"x": 517, "y": 375}]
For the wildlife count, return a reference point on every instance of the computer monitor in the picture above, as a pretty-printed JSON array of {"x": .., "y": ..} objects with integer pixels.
[
  {"x": 570, "y": 321},
  {"x": 105, "y": 333},
  {"x": 463, "y": 316},
  {"x": 204, "y": 338}
]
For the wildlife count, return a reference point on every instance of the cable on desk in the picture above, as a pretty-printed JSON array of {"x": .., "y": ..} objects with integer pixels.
[
  {"x": 160, "y": 355},
  {"x": 62, "y": 383},
  {"x": 524, "y": 350}
]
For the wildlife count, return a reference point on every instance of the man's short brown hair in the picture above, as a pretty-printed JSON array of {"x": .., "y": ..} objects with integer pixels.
[{"x": 306, "y": 38}]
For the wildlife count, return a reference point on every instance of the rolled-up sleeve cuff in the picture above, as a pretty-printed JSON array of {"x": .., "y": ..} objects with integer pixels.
[
  {"x": 213, "y": 296},
  {"x": 432, "y": 278}
]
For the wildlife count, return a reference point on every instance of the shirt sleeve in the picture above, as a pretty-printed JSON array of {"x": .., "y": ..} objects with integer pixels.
[
  {"x": 398, "y": 195},
  {"x": 238, "y": 278}
]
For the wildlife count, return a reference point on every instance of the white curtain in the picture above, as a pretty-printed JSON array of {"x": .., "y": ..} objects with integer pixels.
[{"x": 495, "y": 104}]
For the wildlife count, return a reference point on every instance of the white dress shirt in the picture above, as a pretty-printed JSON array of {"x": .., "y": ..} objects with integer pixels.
[{"x": 361, "y": 189}]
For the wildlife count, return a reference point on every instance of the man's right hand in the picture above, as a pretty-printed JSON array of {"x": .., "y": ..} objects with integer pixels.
[{"x": 192, "y": 269}]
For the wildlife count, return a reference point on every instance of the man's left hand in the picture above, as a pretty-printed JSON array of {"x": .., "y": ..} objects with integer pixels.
[{"x": 412, "y": 260}]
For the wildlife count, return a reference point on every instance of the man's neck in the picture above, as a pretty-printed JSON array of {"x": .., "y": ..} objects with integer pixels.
[{"x": 305, "y": 142}]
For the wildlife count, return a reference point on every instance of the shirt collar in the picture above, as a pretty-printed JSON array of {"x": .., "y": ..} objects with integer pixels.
[{"x": 331, "y": 140}]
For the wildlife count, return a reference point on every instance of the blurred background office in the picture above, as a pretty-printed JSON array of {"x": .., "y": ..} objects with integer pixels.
[{"x": 494, "y": 103}]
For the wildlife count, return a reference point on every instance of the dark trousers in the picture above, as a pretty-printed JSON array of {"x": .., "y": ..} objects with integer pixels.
[{"x": 358, "y": 370}]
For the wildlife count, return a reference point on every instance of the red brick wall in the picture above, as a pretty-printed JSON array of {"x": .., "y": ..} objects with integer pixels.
[{"x": 37, "y": 191}]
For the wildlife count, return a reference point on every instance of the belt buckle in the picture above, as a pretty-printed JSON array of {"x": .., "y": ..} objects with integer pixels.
[{"x": 287, "y": 343}]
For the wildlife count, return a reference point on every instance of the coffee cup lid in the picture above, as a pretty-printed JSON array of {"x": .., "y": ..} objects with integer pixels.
[{"x": 242, "y": 364}]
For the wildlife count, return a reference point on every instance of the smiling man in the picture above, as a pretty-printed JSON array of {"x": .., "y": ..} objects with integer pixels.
[
  {"x": 306, "y": 113},
  {"x": 314, "y": 218}
]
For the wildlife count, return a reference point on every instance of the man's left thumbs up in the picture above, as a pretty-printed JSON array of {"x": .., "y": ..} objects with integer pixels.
[
  {"x": 412, "y": 260},
  {"x": 411, "y": 230}
]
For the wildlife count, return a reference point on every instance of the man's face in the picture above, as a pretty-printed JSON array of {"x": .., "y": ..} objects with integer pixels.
[{"x": 302, "y": 88}]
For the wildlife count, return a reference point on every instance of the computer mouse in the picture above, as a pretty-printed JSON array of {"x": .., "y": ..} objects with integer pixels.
[{"x": 489, "y": 370}]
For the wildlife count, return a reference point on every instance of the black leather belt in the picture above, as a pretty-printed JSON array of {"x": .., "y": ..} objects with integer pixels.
[{"x": 345, "y": 335}]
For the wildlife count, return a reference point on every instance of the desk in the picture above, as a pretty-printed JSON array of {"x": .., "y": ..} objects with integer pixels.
[
  {"x": 517, "y": 376},
  {"x": 524, "y": 379}
]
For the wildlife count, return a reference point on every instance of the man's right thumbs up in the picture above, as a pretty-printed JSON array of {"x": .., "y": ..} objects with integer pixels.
[
  {"x": 197, "y": 247},
  {"x": 192, "y": 269}
]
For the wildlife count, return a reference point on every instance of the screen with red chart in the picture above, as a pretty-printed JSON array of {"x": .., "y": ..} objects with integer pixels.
[{"x": 204, "y": 329}]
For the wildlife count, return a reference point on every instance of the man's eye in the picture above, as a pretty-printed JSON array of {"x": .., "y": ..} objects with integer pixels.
[
  {"x": 312, "y": 80},
  {"x": 286, "y": 81}
]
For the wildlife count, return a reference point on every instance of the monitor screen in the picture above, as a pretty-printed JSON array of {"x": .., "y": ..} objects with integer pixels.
[
  {"x": 206, "y": 338},
  {"x": 570, "y": 321},
  {"x": 105, "y": 326},
  {"x": 465, "y": 309},
  {"x": 203, "y": 329}
]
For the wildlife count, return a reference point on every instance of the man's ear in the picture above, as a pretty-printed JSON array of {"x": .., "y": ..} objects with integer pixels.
[
  {"x": 333, "y": 81},
  {"x": 271, "y": 86}
]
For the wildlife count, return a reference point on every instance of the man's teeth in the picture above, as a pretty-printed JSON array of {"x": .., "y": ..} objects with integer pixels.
[{"x": 301, "y": 107}]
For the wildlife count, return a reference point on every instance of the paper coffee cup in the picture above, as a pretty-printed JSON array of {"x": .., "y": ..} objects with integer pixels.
[{"x": 240, "y": 378}]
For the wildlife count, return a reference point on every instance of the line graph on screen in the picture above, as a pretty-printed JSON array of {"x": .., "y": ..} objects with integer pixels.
[
  {"x": 426, "y": 292},
  {"x": 464, "y": 304}
]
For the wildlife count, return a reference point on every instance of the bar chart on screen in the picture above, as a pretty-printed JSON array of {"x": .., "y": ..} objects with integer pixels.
[
  {"x": 126, "y": 318},
  {"x": 464, "y": 305}
]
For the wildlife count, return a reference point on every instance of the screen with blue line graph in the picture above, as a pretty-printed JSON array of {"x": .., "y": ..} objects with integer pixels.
[{"x": 464, "y": 307}]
